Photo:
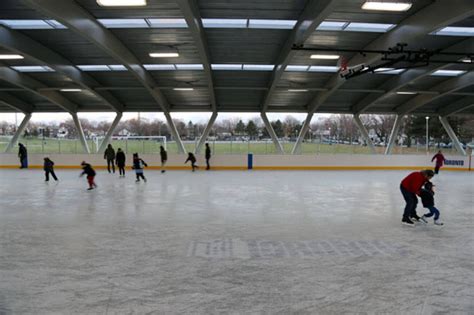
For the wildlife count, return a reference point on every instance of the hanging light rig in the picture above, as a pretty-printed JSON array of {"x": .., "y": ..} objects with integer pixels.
[{"x": 397, "y": 57}]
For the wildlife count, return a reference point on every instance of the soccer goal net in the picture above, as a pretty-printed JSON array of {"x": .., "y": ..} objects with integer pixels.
[{"x": 134, "y": 144}]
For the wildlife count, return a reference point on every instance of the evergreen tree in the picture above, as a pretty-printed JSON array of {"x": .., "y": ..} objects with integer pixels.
[
  {"x": 240, "y": 128},
  {"x": 251, "y": 129},
  {"x": 278, "y": 127}
]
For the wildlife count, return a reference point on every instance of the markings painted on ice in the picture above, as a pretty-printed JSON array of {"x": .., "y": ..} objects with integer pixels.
[{"x": 248, "y": 249}]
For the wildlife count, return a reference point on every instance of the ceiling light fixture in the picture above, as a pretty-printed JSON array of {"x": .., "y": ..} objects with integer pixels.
[
  {"x": 164, "y": 55},
  {"x": 183, "y": 89},
  {"x": 326, "y": 57},
  {"x": 121, "y": 3},
  {"x": 405, "y": 93},
  {"x": 396, "y": 6},
  {"x": 10, "y": 57},
  {"x": 70, "y": 90},
  {"x": 297, "y": 90}
]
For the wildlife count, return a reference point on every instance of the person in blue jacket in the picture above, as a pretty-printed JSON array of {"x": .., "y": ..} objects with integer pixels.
[
  {"x": 138, "y": 165},
  {"x": 427, "y": 199}
]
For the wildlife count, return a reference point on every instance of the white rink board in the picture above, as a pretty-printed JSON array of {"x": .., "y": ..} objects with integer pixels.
[{"x": 259, "y": 161}]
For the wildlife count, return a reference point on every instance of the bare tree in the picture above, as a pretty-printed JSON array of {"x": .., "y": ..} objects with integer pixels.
[
  {"x": 291, "y": 126},
  {"x": 382, "y": 125}
]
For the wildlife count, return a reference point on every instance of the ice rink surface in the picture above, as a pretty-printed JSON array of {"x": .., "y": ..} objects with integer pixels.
[{"x": 303, "y": 242}]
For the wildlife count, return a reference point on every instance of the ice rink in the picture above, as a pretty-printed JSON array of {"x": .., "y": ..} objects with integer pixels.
[{"x": 283, "y": 242}]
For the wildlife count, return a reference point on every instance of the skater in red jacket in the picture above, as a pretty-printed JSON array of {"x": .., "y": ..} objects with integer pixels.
[
  {"x": 410, "y": 188},
  {"x": 439, "y": 157},
  {"x": 90, "y": 172}
]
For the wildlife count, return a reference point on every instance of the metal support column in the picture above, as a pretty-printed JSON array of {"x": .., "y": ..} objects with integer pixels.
[
  {"x": 174, "y": 133},
  {"x": 205, "y": 133},
  {"x": 452, "y": 135},
  {"x": 278, "y": 147},
  {"x": 394, "y": 134},
  {"x": 109, "y": 133},
  {"x": 365, "y": 133},
  {"x": 80, "y": 132},
  {"x": 18, "y": 132},
  {"x": 303, "y": 132}
]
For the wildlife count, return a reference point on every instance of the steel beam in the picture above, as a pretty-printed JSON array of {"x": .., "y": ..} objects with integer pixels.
[
  {"x": 174, "y": 133},
  {"x": 34, "y": 86},
  {"x": 456, "y": 107},
  {"x": 394, "y": 134},
  {"x": 407, "y": 77},
  {"x": 445, "y": 88},
  {"x": 303, "y": 132},
  {"x": 192, "y": 16},
  {"x": 278, "y": 147},
  {"x": 12, "y": 101},
  {"x": 24, "y": 45},
  {"x": 452, "y": 135},
  {"x": 364, "y": 133},
  {"x": 313, "y": 14},
  {"x": 109, "y": 133},
  {"x": 18, "y": 132},
  {"x": 80, "y": 133},
  {"x": 205, "y": 133},
  {"x": 81, "y": 22},
  {"x": 411, "y": 30}
]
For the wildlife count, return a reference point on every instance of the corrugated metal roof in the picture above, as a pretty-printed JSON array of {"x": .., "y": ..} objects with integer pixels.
[{"x": 235, "y": 90}]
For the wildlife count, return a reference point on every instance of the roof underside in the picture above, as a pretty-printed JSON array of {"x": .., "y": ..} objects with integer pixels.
[{"x": 239, "y": 90}]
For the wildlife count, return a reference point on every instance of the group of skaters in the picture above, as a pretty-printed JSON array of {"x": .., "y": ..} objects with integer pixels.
[
  {"x": 416, "y": 184},
  {"x": 113, "y": 159}
]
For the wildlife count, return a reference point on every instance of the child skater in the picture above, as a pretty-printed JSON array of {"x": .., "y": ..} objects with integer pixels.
[
  {"x": 164, "y": 158},
  {"x": 120, "y": 160},
  {"x": 138, "y": 165},
  {"x": 427, "y": 198},
  {"x": 48, "y": 167},
  {"x": 192, "y": 159},
  {"x": 89, "y": 171}
]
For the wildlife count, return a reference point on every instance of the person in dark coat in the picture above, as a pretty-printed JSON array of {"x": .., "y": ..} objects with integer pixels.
[
  {"x": 191, "y": 158},
  {"x": 208, "y": 156},
  {"x": 23, "y": 155},
  {"x": 138, "y": 165},
  {"x": 48, "y": 167},
  {"x": 90, "y": 172},
  {"x": 427, "y": 198},
  {"x": 439, "y": 157},
  {"x": 120, "y": 160},
  {"x": 410, "y": 187},
  {"x": 109, "y": 154},
  {"x": 164, "y": 158}
]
